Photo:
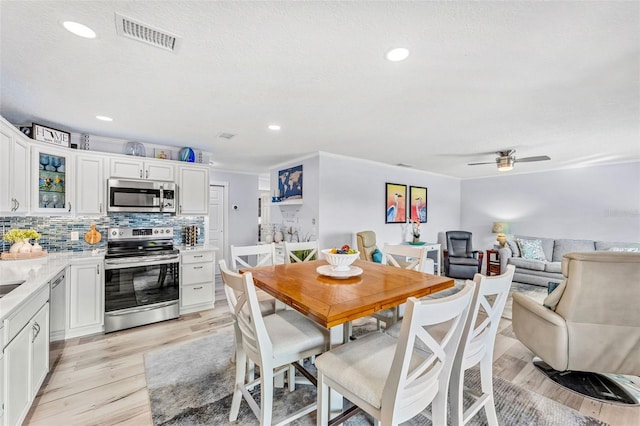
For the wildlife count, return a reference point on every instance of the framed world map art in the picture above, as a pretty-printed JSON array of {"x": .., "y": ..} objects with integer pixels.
[{"x": 290, "y": 183}]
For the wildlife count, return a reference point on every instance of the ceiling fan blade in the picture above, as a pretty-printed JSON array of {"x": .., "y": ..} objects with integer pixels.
[
  {"x": 477, "y": 164},
  {"x": 529, "y": 159}
]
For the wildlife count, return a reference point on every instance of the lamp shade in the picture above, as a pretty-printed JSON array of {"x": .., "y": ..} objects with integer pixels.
[{"x": 501, "y": 228}]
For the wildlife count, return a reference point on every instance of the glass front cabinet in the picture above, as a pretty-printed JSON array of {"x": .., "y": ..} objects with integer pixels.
[{"x": 51, "y": 180}]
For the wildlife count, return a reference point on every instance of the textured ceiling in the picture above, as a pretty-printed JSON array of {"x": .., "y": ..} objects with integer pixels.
[{"x": 546, "y": 78}]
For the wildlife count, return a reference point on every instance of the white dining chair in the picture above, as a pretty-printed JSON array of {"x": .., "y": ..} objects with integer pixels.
[
  {"x": 400, "y": 256},
  {"x": 391, "y": 379},
  {"x": 300, "y": 252},
  {"x": 476, "y": 347},
  {"x": 253, "y": 256},
  {"x": 273, "y": 342}
]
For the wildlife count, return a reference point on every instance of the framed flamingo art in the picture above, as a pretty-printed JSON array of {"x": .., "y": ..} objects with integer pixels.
[
  {"x": 418, "y": 204},
  {"x": 396, "y": 203}
]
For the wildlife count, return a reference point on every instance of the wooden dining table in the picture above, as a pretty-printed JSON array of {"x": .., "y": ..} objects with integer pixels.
[
  {"x": 335, "y": 302},
  {"x": 331, "y": 301}
]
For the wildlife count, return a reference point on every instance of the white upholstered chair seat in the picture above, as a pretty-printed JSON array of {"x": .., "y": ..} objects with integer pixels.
[
  {"x": 363, "y": 365},
  {"x": 292, "y": 333}
]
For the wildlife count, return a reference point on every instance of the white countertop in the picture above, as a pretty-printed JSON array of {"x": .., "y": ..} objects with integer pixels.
[
  {"x": 36, "y": 273},
  {"x": 199, "y": 247}
]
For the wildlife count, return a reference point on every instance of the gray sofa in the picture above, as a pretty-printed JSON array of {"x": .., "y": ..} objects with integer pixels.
[{"x": 542, "y": 272}]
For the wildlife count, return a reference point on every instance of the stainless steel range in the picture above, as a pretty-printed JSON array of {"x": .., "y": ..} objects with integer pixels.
[{"x": 142, "y": 276}]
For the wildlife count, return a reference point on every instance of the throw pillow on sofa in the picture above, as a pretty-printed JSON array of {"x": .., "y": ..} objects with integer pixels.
[{"x": 531, "y": 249}]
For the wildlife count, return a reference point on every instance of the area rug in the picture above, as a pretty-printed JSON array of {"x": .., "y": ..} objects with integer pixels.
[{"x": 191, "y": 383}]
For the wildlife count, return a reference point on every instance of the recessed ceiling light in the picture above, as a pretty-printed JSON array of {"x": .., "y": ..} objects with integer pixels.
[
  {"x": 104, "y": 118},
  {"x": 274, "y": 127},
  {"x": 398, "y": 54},
  {"x": 79, "y": 29}
]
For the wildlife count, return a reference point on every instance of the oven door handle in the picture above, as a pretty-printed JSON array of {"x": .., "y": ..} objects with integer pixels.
[
  {"x": 136, "y": 310},
  {"x": 132, "y": 263}
]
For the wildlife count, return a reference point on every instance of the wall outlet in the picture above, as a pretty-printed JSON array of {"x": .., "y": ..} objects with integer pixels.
[{"x": 75, "y": 235}]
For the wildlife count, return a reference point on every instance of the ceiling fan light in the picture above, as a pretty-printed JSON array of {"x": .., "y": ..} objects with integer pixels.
[{"x": 505, "y": 164}]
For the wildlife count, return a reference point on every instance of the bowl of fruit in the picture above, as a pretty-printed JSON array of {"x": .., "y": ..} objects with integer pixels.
[{"x": 341, "y": 258}]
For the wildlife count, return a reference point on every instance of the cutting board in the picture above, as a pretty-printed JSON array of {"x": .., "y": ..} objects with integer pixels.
[{"x": 93, "y": 236}]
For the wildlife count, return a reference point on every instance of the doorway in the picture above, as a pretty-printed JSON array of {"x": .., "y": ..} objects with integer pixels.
[{"x": 217, "y": 229}]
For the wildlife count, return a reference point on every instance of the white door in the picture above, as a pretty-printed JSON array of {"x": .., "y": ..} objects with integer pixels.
[{"x": 216, "y": 219}]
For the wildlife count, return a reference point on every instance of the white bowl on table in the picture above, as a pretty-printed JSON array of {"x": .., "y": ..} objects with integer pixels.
[{"x": 340, "y": 262}]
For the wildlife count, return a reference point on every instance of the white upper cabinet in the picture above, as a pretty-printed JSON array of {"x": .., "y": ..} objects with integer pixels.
[
  {"x": 135, "y": 168},
  {"x": 14, "y": 170},
  {"x": 90, "y": 183},
  {"x": 193, "y": 190}
]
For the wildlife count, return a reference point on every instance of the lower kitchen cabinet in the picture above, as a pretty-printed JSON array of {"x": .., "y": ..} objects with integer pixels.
[
  {"x": 197, "y": 281},
  {"x": 85, "y": 299},
  {"x": 18, "y": 386},
  {"x": 25, "y": 358}
]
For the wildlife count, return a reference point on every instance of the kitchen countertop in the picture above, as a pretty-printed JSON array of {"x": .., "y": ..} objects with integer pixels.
[
  {"x": 36, "y": 273},
  {"x": 200, "y": 247}
]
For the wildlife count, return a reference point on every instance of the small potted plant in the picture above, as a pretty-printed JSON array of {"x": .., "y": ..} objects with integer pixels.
[{"x": 415, "y": 230}]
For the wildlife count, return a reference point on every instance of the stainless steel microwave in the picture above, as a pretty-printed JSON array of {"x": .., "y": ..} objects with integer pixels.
[{"x": 141, "y": 196}]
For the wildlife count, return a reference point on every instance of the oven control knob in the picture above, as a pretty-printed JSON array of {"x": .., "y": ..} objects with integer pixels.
[
  {"x": 155, "y": 231},
  {"x": 162, "y": 231},
  {"x": 114, "y": 233},
  {"x": 168, "y": 231}
]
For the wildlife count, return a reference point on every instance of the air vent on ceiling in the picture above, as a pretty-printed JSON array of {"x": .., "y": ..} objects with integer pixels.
[
  {"x": 226, "y": 135},
  {"x": 136, "y": 30}
]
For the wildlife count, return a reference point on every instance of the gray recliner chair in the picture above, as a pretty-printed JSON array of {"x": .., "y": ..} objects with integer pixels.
[
  {"x": 460, "y": 260},
  {"x": 590, "y": 322}
]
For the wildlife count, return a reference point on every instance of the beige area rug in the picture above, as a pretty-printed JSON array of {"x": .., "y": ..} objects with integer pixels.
[{"x": 191, "y": 383}]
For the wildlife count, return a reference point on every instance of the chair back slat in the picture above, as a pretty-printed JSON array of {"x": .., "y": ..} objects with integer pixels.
[
  {"x": 300, "y": 252},
  {"x": 245, "y": 308},
  {"x": 252, "y": 256},
  {"x": 416, "y": 374},
  {"x": 489, "y": 301},
  {"x": 417, "y": 256}
]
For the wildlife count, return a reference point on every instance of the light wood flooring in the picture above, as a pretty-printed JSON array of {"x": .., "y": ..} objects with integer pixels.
[{"x": 100, "y": 379}]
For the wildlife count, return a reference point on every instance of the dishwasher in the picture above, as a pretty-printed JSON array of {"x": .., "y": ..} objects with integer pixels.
[{"x": 57, "y": 310}]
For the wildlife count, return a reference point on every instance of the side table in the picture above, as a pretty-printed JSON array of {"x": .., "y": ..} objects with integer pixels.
[{"x": 493, "y": 262}]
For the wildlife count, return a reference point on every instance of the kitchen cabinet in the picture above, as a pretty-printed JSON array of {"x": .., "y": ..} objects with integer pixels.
[
  {"x": 193, "y": 190},
  {"x": 85, "y": 299},
  {"x": 135, "y": 168},
  {"x": 197, "y": 280},
  {"x": 2, "y": 402},
  {"x": 52, "y": 186},
  {"x": 39, "y": 348},
  {"x": 90, "y": 183},
  {"x": 25, "y": 356},
  {"x": 16, "y": 359},
  {"x": 14, "y": 170}
]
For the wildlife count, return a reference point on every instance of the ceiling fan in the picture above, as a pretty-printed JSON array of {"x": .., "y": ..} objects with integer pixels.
[{"x": 506, "y": 160}]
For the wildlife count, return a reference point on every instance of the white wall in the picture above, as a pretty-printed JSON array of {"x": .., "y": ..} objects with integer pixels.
[
  {"x": 242, "y": 223},
  {"x": 346, "y": 195},
  {"x": 599, "y": 203},
  {"x": 352, "y": 199},
  {"x": 300, "y": 217}
]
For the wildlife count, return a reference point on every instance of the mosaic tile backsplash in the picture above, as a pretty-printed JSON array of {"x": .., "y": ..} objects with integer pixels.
[{"x": 56, "y": 231}]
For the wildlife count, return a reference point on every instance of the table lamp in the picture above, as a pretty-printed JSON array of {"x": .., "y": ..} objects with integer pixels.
[{"x": 501, "y": 228}]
